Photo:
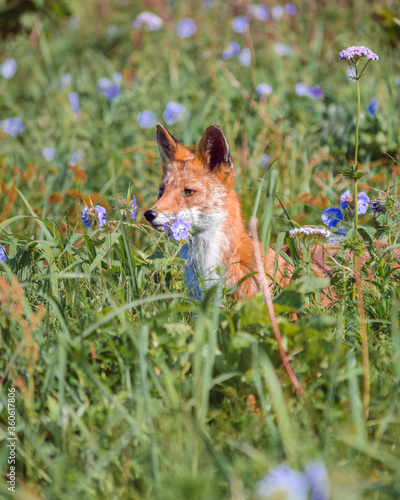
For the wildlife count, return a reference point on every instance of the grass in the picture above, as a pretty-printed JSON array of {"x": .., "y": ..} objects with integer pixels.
[{"x": 126, "y": 386}]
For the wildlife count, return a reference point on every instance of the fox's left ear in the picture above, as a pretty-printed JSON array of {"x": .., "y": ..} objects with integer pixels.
[{"x": 213, "y": 150}]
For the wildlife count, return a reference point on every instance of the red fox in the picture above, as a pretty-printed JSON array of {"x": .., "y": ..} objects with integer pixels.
[{"x": 198, "y": 188}]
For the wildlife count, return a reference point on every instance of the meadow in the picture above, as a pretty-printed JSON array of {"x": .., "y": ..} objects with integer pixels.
[{"x": 124, "y": 386}]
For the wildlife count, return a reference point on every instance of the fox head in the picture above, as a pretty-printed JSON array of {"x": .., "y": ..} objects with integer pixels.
[{"x": 194, "y": 187}]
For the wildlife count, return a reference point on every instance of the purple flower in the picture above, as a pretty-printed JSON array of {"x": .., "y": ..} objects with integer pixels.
[
  {"x": 12, "y": 126},
  {"x": 85, "y": 217},
  {"x": 65, "y": 80},
  {"x": 73, "y": 98},
  {"x": 146, "y": 119},
  {"x": 302, "y": 89},
  {"x": 186, "y": 28},
  {"x": 94, "y": 214},
  {"x": 316, "y": 92},
  {"x": 362, "y": 203},
  {"x": 101, "y": 215},
  {"x": 373, "y": 106},
  {"x": 148, "y": 19},
  {"x": 351, "y": 73},
  {"x": 3, "y": 255},
  {"x": 232, "y": 50},
  {"x": 332, "y": 216},
  {"x": 377, "y": 207},
  {"x": 208, "y": 4},
  {"x": 282, "y": 50},
  {"x": 245, "y": 57},
  {"x": 264, "y": 160},
  {"x": 340, "y": 234},
  {"x": 290, "y": 9},
  {"x": 8, "y": 68},
  {"x": 108, "y": 88},
  {"x": 282, "y": 482},
  {"x": 318, "y": 479},
  {"x": 173, "y": 112},
  {"x": 48, "y": 153},
  {"x": 355, "y": 53},
  {"x": 276, "y": 12},
  {"x": 134, "y": 207},
  {"x": 260, "y": 12},
  {"x": 345, "y": 199},
  {"x": 263, "y": 90},
  {"x": 75, "y": 159},
  {"x": 177, "y": 229},
  {"x": 239, "y": 24},
  {"x": 397, "y": 80}
]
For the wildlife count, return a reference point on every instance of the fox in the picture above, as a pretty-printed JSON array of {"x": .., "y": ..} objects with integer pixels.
[{"x": 199, "y": 188}]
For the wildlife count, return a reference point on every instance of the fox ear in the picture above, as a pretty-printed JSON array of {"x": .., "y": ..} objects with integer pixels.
[
  {"x": 170, "y": 149},
  {"x": 213, "y": 149}
]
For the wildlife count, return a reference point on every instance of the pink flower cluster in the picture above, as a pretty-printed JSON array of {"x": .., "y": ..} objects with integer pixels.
[{"x": 358, "y": 52}]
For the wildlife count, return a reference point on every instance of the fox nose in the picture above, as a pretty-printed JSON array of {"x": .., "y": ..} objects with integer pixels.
[{"x": 150, "y": 215}]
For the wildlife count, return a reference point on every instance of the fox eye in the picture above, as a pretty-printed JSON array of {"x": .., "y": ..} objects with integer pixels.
[
  {"x": 189, "y": 192},
  {"x": 160, "y": 193}
]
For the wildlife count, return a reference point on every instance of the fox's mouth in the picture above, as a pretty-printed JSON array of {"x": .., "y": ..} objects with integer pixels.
[{"x": 158, "y": 227}]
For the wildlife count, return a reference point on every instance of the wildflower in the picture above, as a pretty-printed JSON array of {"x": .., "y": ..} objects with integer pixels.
[
  {"x": 208, "y": 4},
  {"x": 108, "y": 88},
  {"x": 397, "y": 80},
  {"x": 276, "y": 12},
  {"x": 373, "y": 106},
  {"x": 340, "y": 234},
  {"x": 148, "y": 19},
  {"x": 310, "y": 233},
  {"x": 290, "y": 9},
  {"x": 73, "y": 98},
  {"x": 318, "y": 479},
  {"x": 239, "y": 24},
  {"x": 263, "y": 90},
  {"x": 48, "y": 153},
  {"x": 377, "y": 207},
  {"x": 146, "y": 119},
  {"x": 351, "y": 73},
  {"x": 245, "y": 57},
  {"x": 75, "y": 159},
  {"x": 264, "y": 160},
  {"x": 186, "y": 28},
  {"x": 282, "y": 50},
  {"x": 173, "y": 112},
  {"x": 316, "y": 92},
  {"x": 355, "y": 53},
  {"x": 302, "y": 89},
  {"x": 8, "y": 68},
  {"x": 94, "y": 214},
  {"x": 127, "y": 207},
  {"x": 282, "y": 482},
  {"x": 332, "y": 216},
  {"x": 363, "y": 200},
  {"x": 232, "y": 50},
  {"x": 260, "y": 12},
  {"x": 12, "y": 126},
  {"x": 3, "y": 255},
  {"x": 177, "y": 229}
]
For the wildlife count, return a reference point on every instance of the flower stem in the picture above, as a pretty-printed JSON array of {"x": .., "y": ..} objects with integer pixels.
[{"x": 355, "y": 180}]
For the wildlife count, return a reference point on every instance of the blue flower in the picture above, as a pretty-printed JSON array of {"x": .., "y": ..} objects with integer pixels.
[
  {"x": 397, "y": 80},
  {"x": 177, "y": 229},
  {"x": 117, "y": 77},
  {"x": 276, "y": 12},
  {"x": 232, "y": 50},
  {"x": 362, "y": 203},
  {"x": 351, "y": 73},
  {"x": 282, "y": 50},
  {"x": 290, "y": 9},
  {"x": 345, "y": 199},
  {"x": 332, "y": 216},
  {"x": 101, "y": 215},
  {"x": 377, "y": 207},
  {"x": 302, "y": 89},
  {"x": 373, "y": 107},
  {"x": 186, "y": 28},
  {"x": 239, "y": 24},
  {"x": 73, "y": 98},
  {"x": 340, "y": 233},
  {"x": 173, "y": 112},
  {"x": 148, "y": 19},
  {"x": 108, "y": 88},
  {"x": 264, "y": 160},
  {"x": 146, "y": 119},
  {"x": 8, "y": 68},
  {"x": 263, "y": 90},
  {"x": 316, "y": 92},
  {"x": 3, "y": 255},
  {"x": 12, "y": 126},
  {"x": 75, "y": 159},
  {"x": 134, "y": 207},
  {"x": 48, "y": 153},
  {"x": 318, "y": 479},
  {"x": 260, "y": 12},
  {"x": 85, "y": 217},
  {"x": 283, "y": 482},
  {"x": 245, "y": 57},
  {"x": 94, "y": 214}
]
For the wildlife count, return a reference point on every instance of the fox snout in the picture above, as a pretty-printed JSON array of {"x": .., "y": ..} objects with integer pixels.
[{"x": 150, "y": 215}]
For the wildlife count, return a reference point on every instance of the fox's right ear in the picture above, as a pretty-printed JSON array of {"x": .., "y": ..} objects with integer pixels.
[{"x": 170, "y": 149}]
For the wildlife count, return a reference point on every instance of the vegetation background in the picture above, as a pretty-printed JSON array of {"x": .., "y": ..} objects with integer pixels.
[{"x": 125, "y": 386}]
